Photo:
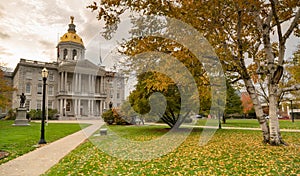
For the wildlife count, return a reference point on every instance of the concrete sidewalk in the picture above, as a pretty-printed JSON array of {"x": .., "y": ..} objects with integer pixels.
[{"x": 40, "y": 160}]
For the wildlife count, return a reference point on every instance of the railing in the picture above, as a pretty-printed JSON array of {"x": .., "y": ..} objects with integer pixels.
[{"x": 97, "y": 94}]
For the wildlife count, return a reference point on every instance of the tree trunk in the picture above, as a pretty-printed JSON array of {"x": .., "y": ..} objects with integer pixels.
[
  {"x": 275, "y": 136},
  {"x": 258, "y": 109},
  {"x": 224, "y": 119}
]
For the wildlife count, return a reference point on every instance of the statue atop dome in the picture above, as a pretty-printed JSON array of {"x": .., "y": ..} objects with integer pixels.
[{"x": 72, "y": 19}]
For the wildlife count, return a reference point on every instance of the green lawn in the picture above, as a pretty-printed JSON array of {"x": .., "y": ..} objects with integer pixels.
[
  {"x": 253, "y": 123},
  {"x": 229, "y": 152},
  {"x": 18, "y": 140}
]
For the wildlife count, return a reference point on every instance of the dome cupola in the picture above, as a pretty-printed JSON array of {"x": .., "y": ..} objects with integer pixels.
[{"x": 70, "y": 46}]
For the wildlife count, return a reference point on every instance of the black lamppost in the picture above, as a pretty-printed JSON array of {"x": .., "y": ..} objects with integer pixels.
[
  {"x": 292, "y": 113},
  {"x": 44, "y": 76},
  {"x": 219, "y": 115}
]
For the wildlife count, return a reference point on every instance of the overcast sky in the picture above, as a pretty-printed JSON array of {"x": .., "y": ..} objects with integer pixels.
[{"x": 30, "y": 29}]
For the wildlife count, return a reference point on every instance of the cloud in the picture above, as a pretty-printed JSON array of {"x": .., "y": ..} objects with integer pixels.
[
  {"x": 4, "y": 35},
  {"x": 4, "y": 52},
  {"x": 1, "y": 11},
  {"x": 46, "y": 44}
]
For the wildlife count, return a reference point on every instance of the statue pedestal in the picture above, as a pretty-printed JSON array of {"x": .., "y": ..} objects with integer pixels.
[{"x": 21, "y": 118}]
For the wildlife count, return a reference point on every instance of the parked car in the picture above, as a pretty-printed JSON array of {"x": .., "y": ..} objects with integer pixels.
[
  {"x": 278, "y": 116},
  {"x": 284, "y": 117},
  {"x": 199, "y": 116}
]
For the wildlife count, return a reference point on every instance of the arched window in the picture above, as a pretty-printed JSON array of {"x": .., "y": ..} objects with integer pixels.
[
  {"x": 65, "y": 53},
  {"x": 74, "y": 54}
]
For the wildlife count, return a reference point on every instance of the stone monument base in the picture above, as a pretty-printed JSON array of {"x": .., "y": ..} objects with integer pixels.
[{"x": 21, "y": 118}]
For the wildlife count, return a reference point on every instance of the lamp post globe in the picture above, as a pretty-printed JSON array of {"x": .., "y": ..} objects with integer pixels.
[{"x": 44, "y": 76}]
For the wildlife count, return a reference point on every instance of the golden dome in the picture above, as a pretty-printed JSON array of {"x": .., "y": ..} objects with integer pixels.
[{"x": 71, "y": 35}]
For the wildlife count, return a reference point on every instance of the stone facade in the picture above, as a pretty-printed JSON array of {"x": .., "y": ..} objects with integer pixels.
[{"x": 75, "y": 86}]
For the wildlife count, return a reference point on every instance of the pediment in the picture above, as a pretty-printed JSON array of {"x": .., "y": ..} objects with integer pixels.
[{"x": 81, "y": 66}]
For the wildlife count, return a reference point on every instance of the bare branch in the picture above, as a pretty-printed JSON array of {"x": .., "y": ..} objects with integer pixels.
[
  {"x": 292, "y": 26},
  {"x": 291, "y": 88}
]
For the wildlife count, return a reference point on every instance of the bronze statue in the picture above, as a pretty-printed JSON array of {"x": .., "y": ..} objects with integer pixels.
[
  {"x": 22, "y": 101},
  {"x": 110, "y": 105}
]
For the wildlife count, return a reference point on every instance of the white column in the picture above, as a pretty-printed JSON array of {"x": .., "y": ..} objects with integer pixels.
[
  {"x": 101, "y": 84},
  {"x": 79, "y": 105},
  {"x": 58, "y": 85},
  {"x": 98, "y": 85},
  {"x": 89, "y": 107},
  {"x": 61, "y": 107},
  {"x": 92, "y": 107},
  {"x": 66, "y": 78},
  {"x": 61, "y": 81},
  {"x": 73, "y": 82},
  {"x": 79, "y": 88},
  {"x": 92, "y": 83},
  {"x": 95, "y": 84},
  {"x": 75, "y": 107},
  {"x": 76, "y": 82},
  {"x": 101, "y": 107}
]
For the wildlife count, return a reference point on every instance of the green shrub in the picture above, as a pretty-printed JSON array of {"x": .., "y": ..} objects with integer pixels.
[
  {"x": 112, "y": 116},
  {"x": 52, "y": 114},
  {"x": 108, "y": 117},
  {"x": 35, "y": 114}
]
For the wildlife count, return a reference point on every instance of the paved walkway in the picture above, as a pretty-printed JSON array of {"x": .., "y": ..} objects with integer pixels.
[{"x": 40, "y": 160}]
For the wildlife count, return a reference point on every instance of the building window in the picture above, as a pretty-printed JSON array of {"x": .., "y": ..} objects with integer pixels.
[
  {"x": 39, "y": 89},
  {"x": 38, "y": 104},
  {"x": 51, "y": 76},
  {"x": 74, "y": 54},
  {"x": 27, "y": 104},
  {"x": 118, "y": 95},
  {"x": 111, "y": 84},
  {"x": 65, "y": 53},
  {"x": 119, "y": 85},
  {"x": 50, "y": 104},
  {"x": 28, "y": 88},
  {"x": 28, "y": 75},
  {"x": 50, "y": 90}
]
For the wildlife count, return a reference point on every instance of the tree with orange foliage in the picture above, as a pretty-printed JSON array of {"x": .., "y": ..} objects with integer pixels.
[
  {"x": 5, "y": 91},
  {"x": 246, "y": 102}
]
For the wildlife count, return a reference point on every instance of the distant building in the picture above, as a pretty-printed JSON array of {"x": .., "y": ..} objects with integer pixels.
[{"x": 75, "y": 86}]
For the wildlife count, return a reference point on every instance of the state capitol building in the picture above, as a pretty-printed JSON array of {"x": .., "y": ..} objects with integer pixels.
[{"x": 76, "y": 87}]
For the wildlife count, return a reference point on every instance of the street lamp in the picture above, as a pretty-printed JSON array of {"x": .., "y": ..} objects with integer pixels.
[
  {"x": 292, "y": 113},
  {"x": 44, "y": 76}
]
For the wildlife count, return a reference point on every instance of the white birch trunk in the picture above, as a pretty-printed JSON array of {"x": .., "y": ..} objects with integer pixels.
[{"x": 258, "y": 110}]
